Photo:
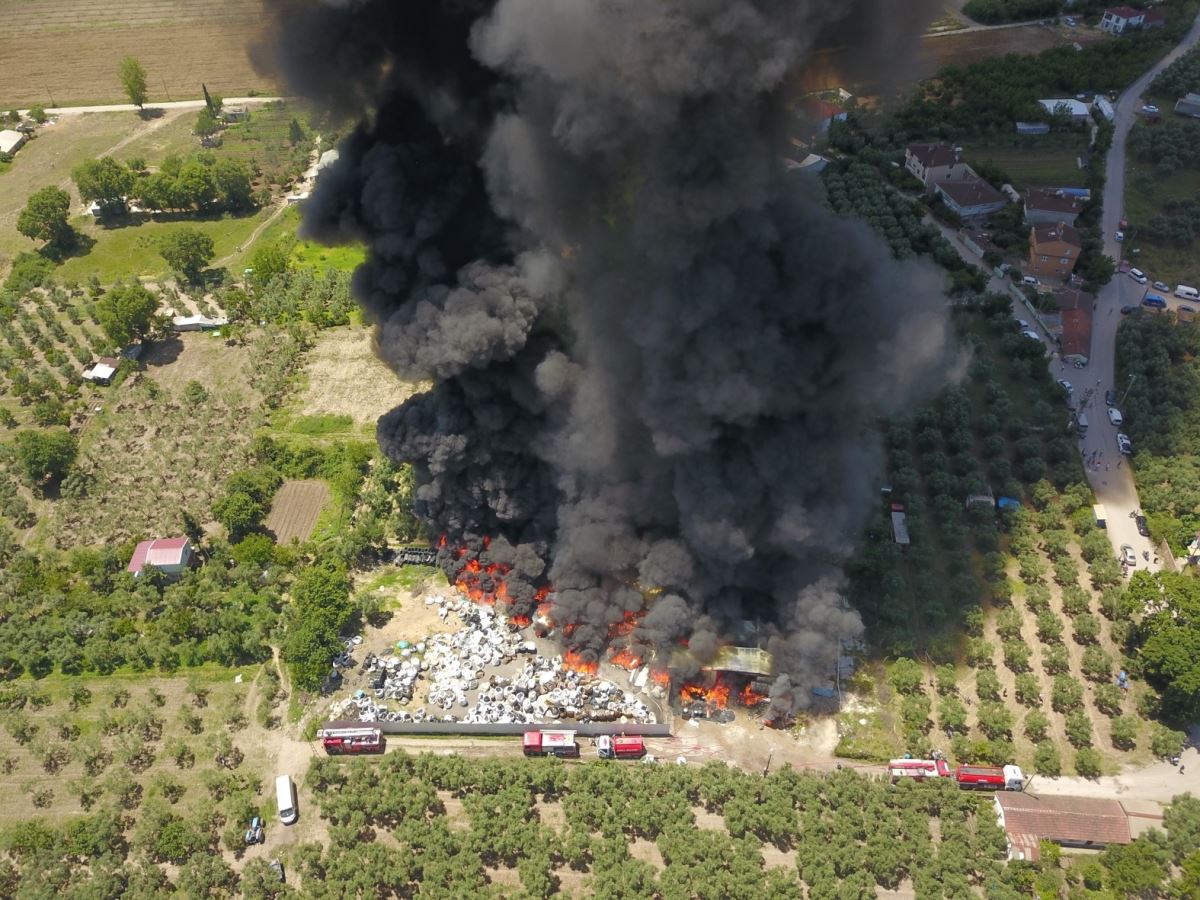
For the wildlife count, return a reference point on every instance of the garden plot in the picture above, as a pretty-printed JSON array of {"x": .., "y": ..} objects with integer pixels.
[{"x": 295, "y": 509}]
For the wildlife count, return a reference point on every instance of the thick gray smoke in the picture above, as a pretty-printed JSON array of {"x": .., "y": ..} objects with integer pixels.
[{"x": 658, "y": 360}]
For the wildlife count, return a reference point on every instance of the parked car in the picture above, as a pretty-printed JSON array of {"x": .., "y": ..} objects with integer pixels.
[
  {"x": 1023, "y": 324},
  {"x": 1150, "y": 109},
  {"x": 1128, "y": 557},
  {"x": 1032, "y": 335},
  {"x": 1138, "y": 275},
  {"x": 1126, "y": 310},
  {"x": 1030, "y": 280},
  {"x": 1119, "y": 236},
  {"x": 1114, "y": 416},
  {"x": 1154, "y": 301},
  {"x": 1110, "y": 398},
  {"x": 1124, "y": 444},
  {"x": 1183, "y": 307},
  {"x": 277, "y": 867},
  {"x": 1161, "y": 286},
  {"x": 254, "y": 834},
  {"x": 1070, "y": 22},
  {"x": 1066, "y": 386},
  {"x": 1124, "y": 266},
  {"x": 1142, "y": 527}
]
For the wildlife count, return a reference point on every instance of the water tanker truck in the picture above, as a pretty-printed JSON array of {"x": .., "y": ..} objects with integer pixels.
[
  {"x": 549, "y": 743},
  {"x": 623, "y": 747},
  {"x": 976, "y": 778}
]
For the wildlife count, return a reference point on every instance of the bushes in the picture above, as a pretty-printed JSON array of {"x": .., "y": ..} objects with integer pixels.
[{"x": 321, "y": 607}]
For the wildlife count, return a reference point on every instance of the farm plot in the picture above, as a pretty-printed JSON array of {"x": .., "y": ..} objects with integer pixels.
[
  {"x": 155, "y": 451},
  {"x": 69, "y": 49},
  {"x": 345, "y": 377},
  {"x": 295, "y": 510}
]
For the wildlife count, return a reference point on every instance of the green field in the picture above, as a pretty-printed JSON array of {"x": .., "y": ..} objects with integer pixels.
[
  {"x": 1043, "y": 162},
  {"x": 133, "y": 250},
  {"x": 1175, "y": 265}
]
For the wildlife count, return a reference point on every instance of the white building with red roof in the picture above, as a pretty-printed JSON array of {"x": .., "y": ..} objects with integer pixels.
[
  {"x": 171, "y": 556},
  {"x": 1119, "y": 19}
]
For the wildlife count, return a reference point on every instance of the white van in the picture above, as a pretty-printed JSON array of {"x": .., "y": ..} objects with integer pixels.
[
  {"x": 285, "y": 798},
  {"x": 1081, "y": 424},
  {"x": 1138, "y": 275},
  {"x": 1183, "y": 292}
]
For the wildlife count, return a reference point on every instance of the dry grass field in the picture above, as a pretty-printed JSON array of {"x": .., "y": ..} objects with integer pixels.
[
  {"x": 344, "y": 377},
  {"x": 66, "y": 52},
  {"x": 295, "y": 509}
]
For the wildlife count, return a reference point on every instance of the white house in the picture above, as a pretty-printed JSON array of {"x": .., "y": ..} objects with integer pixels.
[
  {"x": 11, "y": 141},
  {"x": 197, "y": 323},
  {"x": 933, "y": 163},
  {"x": 102, "y": 370},
  {"x": 1119, "y": 19}
]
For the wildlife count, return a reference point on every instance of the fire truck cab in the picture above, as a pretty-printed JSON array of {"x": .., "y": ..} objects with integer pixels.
[
  {"x": 549, "y": 743},
  {"x": 622, "y": 747},
  {"x": 339, "y": 740}
]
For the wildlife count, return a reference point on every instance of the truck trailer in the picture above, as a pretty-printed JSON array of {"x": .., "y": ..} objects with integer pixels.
[
  {"x": 339, "y": 740},
  {"x": 990, "y": 778},
  {"x": 550, "y": 743},
  {"x": 622, "y": 747},
  {"x": 918, "y": 769}
]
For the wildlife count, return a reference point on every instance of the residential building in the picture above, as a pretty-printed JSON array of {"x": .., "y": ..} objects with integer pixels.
[
  {"x": 1075, "y": 308},
  {"x": 1189, "y": 106},
  {"x": 1078, "y": 822},
  {"x": 1119, "y": 19},
  {"x": 1043, "y": 205},
  {"x": 931, "y": 163},
  {"x": 11, "y": 141},
  {"x": 171, "y": 556},
  {"x": 1053, "y": 250},
  {"x": 197, "y": 323},
  {"x": 1154, "y": 18},
  {"x": 1077, "y": 110},
  {"x": 972, "y": 199},
  {"x": 1033, "y": 128}
]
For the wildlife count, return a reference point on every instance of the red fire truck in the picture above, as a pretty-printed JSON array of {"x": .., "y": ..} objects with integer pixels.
[
  {"x": 351, "y": 738},
  {"x": 990, "y": 778},
  {"x": 621, "y": 747},
  {"x": 550, "y": 743},
  {"x": 918, "y": 769}
]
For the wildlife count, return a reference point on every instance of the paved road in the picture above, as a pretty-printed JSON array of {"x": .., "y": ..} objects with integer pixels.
[
  {"x": 171, "y": 104},
  {"x": 1114, "y": 486}
]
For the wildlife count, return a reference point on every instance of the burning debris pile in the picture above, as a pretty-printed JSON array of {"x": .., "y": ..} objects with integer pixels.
[
  {"x": 658, "y": 360},
  {"x": 452, "y": 670}
]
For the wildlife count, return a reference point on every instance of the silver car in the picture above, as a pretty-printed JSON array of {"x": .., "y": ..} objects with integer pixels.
[{"x": 1128, "y": 557}]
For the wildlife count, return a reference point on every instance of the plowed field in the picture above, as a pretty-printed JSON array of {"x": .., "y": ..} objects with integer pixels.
[
  {"x": 295, "y": 510},
  {"x": 66, "y": 51}
]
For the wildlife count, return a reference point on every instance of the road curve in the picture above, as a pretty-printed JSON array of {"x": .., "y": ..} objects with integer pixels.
[{"x": 1112, "y": 483}]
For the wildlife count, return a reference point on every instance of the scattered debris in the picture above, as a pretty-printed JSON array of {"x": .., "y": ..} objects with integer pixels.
[{"x": 451, "y": 671}]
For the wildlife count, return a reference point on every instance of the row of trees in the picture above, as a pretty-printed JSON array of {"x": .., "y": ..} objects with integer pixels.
[
  {"x": 1170, "y": 145},
  {"x": 1180, "y": 77},
  {"x": 204, "y": 182}
]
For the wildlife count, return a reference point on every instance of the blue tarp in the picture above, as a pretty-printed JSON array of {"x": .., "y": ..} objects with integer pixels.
[{"x": 1008, "y": 503}]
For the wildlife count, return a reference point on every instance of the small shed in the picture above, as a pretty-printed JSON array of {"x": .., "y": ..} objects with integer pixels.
[
  {"x": 198, "y": 323},
  {"x": 11, "y": 141},
  {"x": 102, "y": 371},
  {"x": 900, "y": 527},
  {"x": 171, "y": 556}
]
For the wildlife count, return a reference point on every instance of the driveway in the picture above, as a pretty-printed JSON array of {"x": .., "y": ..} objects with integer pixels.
[
  {"x": 170, "y": 104},
  {"x": 1113, "y": 484}
]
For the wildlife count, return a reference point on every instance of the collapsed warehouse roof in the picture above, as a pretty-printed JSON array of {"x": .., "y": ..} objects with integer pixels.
[{"x": 747, "y": 660}]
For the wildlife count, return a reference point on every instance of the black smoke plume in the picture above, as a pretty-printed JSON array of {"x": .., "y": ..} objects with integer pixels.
[{"x": 658, "y": 359}]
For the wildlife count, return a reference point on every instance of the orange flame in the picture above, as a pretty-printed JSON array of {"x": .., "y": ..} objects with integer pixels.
[
  {"x": 747, "y": 696},
  {"x": 626, "y": 659},
  {"x": 521, "y": 621},
  {"x": 626, "y": 625},
  {"x": 573, "y": 660},
  {"x": 717, "y": 694},
  {"x": 661, "y": 677}
]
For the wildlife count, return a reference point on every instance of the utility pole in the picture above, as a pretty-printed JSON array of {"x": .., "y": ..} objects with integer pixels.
[
  {"x": 1132, "y": 378},
  {"x": 767, "y": 767}
]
